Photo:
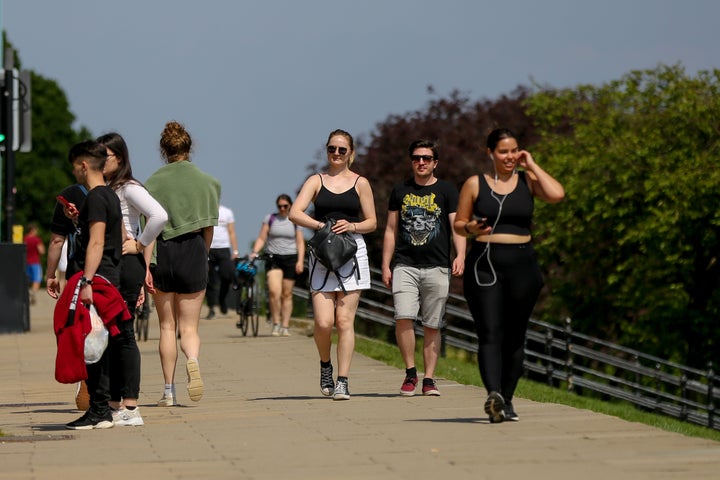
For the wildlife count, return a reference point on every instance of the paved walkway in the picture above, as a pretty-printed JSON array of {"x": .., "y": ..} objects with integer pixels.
[{"x": 262, "y": 417}]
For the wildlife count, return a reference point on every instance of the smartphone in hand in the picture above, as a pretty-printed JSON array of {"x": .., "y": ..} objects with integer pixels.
[
  {"x": 481, "y": 221},
  {"x": 70, "y": 206}
]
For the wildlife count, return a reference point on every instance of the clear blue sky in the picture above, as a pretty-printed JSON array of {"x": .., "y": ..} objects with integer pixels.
[{"x": 260, "y": 84}]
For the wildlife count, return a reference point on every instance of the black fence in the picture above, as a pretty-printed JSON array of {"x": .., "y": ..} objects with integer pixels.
[{"x": 562, "y": 358}]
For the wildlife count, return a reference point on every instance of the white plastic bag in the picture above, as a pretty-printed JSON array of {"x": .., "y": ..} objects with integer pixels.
[{"x": 97, "y": 340}]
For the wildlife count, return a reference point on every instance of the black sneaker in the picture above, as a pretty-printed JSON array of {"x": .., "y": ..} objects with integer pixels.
[
  {"x": 510, "y": 414},
  {"x": 494, "y": 407},
  {"x": 210, "y": 315},
  {"x": 326, "y": 380},
  {"x": 91, "y": 421},
  {"x": 341, "y": 390}
]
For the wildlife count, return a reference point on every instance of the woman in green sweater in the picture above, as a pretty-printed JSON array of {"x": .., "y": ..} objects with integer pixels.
[{"x": 180, "y": 273}]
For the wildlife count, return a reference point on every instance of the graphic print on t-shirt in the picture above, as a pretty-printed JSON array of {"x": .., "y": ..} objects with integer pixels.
[{"x": 420, "y": 218}]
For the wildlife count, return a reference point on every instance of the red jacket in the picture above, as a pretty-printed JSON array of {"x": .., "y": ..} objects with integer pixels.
[{"x": 72, "y": 324}]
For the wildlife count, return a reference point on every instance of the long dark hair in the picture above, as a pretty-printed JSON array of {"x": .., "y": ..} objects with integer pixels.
[{"x": 116, "y": 144}]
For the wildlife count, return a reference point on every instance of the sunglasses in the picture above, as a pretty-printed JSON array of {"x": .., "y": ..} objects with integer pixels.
[
  {"x": 283, "y": 206},
  {"x": 340, "y": 150},
  {"x": 417, "y": 158}
]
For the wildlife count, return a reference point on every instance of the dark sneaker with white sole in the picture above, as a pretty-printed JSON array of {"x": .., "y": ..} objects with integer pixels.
[
  {"x": 510, "y": 414},
  {"x": 494, "y": 407},
  {"x": 341, "y": 390},
  {"x": 327, "y": 385},
  {"x": 90, "y": 421}
]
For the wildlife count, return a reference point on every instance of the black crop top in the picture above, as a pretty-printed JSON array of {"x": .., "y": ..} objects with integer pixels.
[
  {"x": 345, "y": 205},
  {"x": 517, "y": 208}
]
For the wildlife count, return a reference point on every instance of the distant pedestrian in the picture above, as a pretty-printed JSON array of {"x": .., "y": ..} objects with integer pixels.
[
  {"x": 223, "y": 250},
  {"x": 62, "y": 261},
  {"x": 416, "y": 260},
  {"x": 502, "y": 278},
  {"x": 179, "y": 278},
  {"x": 342, "y": 195},
  {"x": 34, "y": 249},
  {"x": 284, "y": 246}
]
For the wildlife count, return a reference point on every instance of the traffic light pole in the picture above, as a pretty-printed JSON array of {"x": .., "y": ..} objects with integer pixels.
[{"x": 8, "y": 155}]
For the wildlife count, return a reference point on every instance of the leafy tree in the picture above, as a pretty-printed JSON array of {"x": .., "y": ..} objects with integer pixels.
[
  {"x": 457, "y": 123},
  {"x": 633, "y": 251},
  {"x": 43, "y": 172}
]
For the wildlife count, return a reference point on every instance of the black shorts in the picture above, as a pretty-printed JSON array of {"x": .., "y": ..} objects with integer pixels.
[
  {"x": 286, "y": 263},
  {"x": 182, "y": 264}
]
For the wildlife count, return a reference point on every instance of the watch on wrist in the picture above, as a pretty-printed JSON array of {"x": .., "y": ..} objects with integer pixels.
[{"x": 85, "y": 281}]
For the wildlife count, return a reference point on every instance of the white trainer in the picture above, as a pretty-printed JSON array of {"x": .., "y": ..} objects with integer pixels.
[{"x": 127, "y": 418}]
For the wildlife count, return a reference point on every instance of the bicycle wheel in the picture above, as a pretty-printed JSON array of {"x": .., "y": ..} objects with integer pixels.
[
  {"x": 242, "y": 323},
  {"x": 254, "y": 316}
]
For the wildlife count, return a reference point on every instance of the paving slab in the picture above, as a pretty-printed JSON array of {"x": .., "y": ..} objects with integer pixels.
[{"x": 262, "y": 417}]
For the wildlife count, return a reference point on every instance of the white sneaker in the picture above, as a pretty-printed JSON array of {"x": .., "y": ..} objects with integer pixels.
[
  {"x": 284, "y": 332},
  {"x": 127, "y": 418},
  {"x": 276, "y": 330},
  {"x": 167, "y": 400}
]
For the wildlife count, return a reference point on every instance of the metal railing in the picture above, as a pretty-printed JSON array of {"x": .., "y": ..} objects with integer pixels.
[{"x": 567, "y": 359}]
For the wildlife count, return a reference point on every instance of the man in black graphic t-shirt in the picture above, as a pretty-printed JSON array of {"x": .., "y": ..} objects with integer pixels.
[{"x": 416, "y": 260}]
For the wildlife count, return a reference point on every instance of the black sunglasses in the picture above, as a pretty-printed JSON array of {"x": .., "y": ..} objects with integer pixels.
[
  {"x": 341, "y": 150},
  {"x": 417, "y": 158},
  {"x": 283, "y": 205}
]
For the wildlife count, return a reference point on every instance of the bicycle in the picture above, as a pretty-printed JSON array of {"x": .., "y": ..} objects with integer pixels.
[{"x": 247, "y": 303}]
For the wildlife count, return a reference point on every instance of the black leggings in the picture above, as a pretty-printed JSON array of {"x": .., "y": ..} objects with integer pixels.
[
  {"x": 501, "y": 286},
  {"x": 123, "y": 352},
  {"x": 220, "y": 277}
]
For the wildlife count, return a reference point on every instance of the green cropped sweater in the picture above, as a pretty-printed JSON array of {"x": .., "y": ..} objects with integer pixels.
[{"x": 189, "y": 196}]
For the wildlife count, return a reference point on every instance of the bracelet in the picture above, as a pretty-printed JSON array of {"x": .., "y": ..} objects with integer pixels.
[
  {"x": 467, "y": 229},
  {"x": 319, "y": 226},
  {"x": 354, "y": 227}
]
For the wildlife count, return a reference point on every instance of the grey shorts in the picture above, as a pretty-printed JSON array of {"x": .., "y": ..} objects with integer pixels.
[{"x": 423, "y": 290}]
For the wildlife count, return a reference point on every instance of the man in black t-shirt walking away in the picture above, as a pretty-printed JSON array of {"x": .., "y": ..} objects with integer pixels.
[{"x": 416, "y": 261}]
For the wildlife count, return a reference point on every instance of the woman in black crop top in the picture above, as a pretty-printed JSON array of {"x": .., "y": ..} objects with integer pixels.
[
  {"x": 502, "y": 278},
  {"x": 345, "y": 196}
]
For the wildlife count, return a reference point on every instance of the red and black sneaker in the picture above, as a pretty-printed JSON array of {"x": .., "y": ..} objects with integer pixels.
[
  {"x": 429, "y": 387},
  {"x": 408, "y": 387}
]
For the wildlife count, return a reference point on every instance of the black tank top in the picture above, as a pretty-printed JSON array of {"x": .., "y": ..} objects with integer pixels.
[
  {"x": 517, "y": 207},
  {"x": 345, "y": 205}
]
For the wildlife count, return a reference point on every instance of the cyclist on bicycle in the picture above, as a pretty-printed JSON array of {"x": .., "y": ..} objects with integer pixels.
[{"x": 285, "y": 250}]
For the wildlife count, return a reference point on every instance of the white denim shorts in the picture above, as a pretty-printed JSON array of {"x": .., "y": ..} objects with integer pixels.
[{"x": 321, "y": 281}]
